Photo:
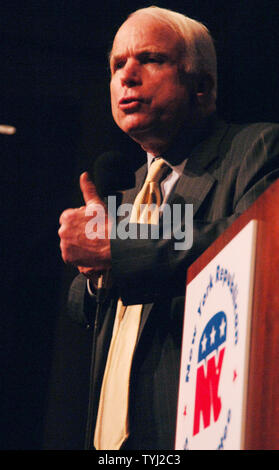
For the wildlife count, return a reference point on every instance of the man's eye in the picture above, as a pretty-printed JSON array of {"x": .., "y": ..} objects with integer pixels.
[
  {"x": 156, "y": 59},
  {"x": 118, "y": 65}
]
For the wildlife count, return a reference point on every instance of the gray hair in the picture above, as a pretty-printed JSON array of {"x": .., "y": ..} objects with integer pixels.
[{"x": 200, "y": 54}]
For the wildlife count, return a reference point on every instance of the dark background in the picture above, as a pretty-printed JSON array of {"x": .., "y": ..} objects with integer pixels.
[{"x": 54, "y": 90}]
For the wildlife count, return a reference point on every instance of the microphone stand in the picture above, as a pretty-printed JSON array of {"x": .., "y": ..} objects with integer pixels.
[{"x": 100, "y": 297}]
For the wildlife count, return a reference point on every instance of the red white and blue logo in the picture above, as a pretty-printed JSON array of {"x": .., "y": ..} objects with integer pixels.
[
  {"x": 215, "y": 350},
  {"x": 211, "y": 352}
]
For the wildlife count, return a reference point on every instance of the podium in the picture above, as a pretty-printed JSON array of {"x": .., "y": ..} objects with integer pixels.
[{"x": 229, "y": 376}]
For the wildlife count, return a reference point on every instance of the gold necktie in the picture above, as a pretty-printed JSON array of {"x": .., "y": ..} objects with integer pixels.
[
  {"x": 146, "y": 206},
  {"x": 112, "y": 426}
]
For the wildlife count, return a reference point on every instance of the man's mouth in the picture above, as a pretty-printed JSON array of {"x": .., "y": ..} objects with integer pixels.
[{"x": 130, "y": 103}]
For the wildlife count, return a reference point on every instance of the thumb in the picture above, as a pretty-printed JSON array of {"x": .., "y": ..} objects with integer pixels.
[{"x": 88, "y": 189}]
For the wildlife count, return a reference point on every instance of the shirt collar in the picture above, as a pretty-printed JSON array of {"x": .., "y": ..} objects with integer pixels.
[{"x": 176, "y": 168}]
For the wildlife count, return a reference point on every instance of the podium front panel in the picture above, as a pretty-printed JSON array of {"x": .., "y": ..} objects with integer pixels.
[{"x": 215, "y": 349}]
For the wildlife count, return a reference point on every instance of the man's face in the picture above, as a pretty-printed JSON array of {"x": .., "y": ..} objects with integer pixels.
[{"x": 148, "y": 96}]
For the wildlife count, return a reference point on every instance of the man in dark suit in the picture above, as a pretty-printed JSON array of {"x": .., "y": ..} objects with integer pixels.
[{"x": 163, "y": 93}]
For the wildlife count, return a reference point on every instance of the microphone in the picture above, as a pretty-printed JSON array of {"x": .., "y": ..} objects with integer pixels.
[{"x": 114, "y": 172}]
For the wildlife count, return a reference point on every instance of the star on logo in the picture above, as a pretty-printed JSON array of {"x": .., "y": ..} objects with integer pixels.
[
  {"x": 203, "y": 343},
  {"x": 212, "y": 335},
  {"x": 222, "y": 327}
]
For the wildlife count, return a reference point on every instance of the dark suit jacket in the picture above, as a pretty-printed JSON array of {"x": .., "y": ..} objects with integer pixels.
[{"x": 224, "y": 174}]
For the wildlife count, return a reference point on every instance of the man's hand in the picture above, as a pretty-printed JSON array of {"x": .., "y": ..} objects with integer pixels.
[{"x": 78, "y": 247}]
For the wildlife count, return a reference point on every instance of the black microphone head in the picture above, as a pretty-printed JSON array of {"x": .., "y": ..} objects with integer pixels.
[{"x": 115, "y": 171}]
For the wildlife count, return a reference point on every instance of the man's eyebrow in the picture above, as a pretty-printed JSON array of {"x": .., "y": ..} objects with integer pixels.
[
  {"x": 141, "y": 53},
  {"x": 152, "y": 52},
  {"x": 114, "y": 57}
]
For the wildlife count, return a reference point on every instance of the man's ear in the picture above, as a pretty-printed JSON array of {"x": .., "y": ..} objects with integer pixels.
[{"x": 204, "y": 86}]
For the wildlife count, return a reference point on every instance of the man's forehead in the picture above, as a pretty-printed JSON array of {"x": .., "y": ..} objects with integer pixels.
[{"x": 143, "y": 33}]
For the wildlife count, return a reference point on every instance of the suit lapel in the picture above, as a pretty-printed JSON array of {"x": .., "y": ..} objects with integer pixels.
[
  {"x": 192, "y": 189},
  {"x": 196, "y": 180}
]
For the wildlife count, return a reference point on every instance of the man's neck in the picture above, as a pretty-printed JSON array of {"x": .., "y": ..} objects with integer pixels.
[{"x": 186, "y": 139}]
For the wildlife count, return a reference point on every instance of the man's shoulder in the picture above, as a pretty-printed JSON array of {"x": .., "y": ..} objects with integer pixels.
[
  {"x": 241, "y": 138},
  {"x": 242, "y": 132}
]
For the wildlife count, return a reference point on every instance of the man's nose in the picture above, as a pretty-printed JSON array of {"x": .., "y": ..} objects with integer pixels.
[{"x": 130, "y": 73}]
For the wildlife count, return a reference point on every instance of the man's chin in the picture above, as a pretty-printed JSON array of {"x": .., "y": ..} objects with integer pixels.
[
  {"x": 141, "y": 129},
  {"x": 150, "y": 139},
  {"x": 146, "y": 132},
  {"x": 140, "y": 134}
]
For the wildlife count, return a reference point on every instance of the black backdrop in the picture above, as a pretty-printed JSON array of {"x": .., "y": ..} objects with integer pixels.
[{"x": 54, "y": 90}]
